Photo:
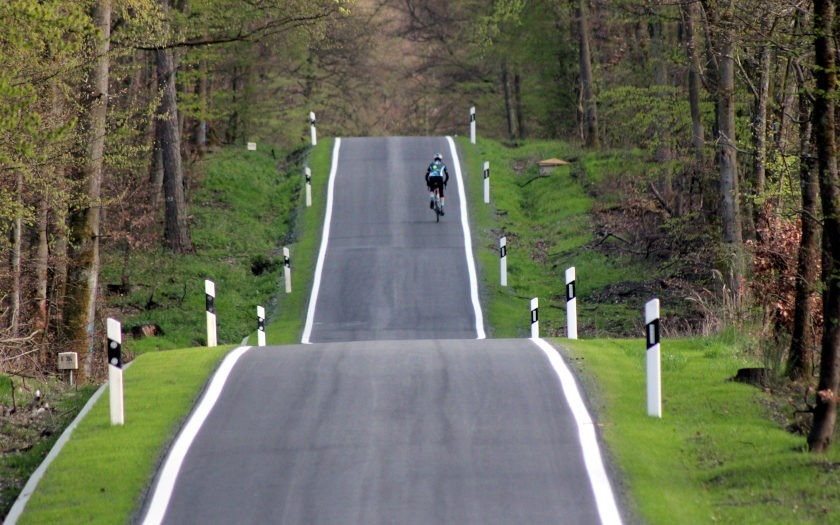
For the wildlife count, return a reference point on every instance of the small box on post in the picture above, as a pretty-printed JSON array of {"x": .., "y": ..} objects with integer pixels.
[
  {"x": 68, "y": 361},
  {"x": 252, "y": 146}
]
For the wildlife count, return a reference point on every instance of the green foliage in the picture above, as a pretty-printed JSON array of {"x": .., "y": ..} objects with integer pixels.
[{"x": 651, "y": 118}]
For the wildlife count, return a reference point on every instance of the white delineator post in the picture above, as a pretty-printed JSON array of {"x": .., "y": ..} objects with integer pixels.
[
  {"x": 486, "y": 182},
  {"x": 472, "y": 125},
  {"x": 312, "y": 128},
  {"x": 503, "y": 260},
  {"x": 287, "y": 270},
  {"x": 571, "y": 304},
  {"x": 308, "y": 172},
  {"x": 535, "y": 318},
  {"x": 260, "y": 326},
  {"x": 115, "y": 373},
  {"x": 210, "y": 306},
  {"x": 653, "y": 359}
]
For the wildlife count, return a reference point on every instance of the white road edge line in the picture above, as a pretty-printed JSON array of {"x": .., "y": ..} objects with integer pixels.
[
  {"x": 465, "y": 225},
  {"x": 322, "y": 253},
  {"x": 169, "y": 473},
  {"x": 601, "y": 488}
]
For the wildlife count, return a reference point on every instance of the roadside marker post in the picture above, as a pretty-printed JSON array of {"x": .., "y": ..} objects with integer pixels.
[
  {"x": 571, "y": 304},
  {"x": 472, "y": 125},
  {"x": 653, "y": 359},
  {"x": 210, "y": 306},
  {"x": 115, "y": 372},
  {"x": 308, "y": 172},
  {"x": 535, "y": 318},
  {"x": 312, "y": 128},
  {"x": 287, "y": 270},
  {"x": 486, "y": 182},
  {"x": 503, "y": 260},
  {"x": 260, "y": 326}
]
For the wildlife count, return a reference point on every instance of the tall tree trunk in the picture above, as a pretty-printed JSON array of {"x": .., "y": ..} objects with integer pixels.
[
  {"x": 803, "y": 339},
  {"x": 42, "y": 277},
  {"x": 734, "y": 263},
  {"x": 517, "y": 96},
  {"x": 698, "y": 141},
  {"x": 83, "y": 268},
  {"x": 755, "y": 187},
  {"x": 17, "y": 249},
  {"x": 587, "y": 90},
  {"x": 825, "y": 414},
  {"x": 176, "y": 230},
  {"x": 508, "y": 102}
]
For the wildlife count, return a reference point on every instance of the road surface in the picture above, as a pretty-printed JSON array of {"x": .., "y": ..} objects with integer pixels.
[{"x": 397, "y": 412}]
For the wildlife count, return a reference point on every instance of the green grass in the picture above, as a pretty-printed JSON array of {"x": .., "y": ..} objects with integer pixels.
[
  {"x": 547, "y": 223},
  {"x": 245, "y": 210},
  {"x": 715, "y": 455},
  {"x": 103, "y": 471},
  {"x": 287, "y": 313}
]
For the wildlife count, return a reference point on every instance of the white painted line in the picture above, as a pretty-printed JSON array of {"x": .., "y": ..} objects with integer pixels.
[
  {"x": 169, "y": 473},
  {"x": 465, "y": 225},
  {"x": 319, "y": 266},
  {"x": 601, "y": 488}
]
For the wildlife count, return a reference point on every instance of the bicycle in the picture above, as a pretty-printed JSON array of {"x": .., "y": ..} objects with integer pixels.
[{"x": 437, "y": 207}]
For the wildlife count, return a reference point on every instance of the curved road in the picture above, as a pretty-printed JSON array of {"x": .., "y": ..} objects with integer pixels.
[{"x": 397, "y": 413}]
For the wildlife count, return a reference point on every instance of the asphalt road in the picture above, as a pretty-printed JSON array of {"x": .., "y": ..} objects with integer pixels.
[
  {"x": 396, "y": 413},
  {"x": 385, "y": 432},
  {"x": 391, "y": 271}
]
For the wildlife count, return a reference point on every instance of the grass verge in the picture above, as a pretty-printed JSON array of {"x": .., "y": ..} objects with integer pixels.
[
  {"x": 102, "y": 472},
  {"x": 547, "y": 223},
  {"x": 716, "y": 455}
]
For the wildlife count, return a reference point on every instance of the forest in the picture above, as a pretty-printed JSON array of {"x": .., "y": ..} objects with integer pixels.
[{"x": 106, "y": 106}]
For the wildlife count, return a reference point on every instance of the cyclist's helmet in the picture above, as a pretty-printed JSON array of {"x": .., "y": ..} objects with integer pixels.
[{"x": 438, "y": 156}]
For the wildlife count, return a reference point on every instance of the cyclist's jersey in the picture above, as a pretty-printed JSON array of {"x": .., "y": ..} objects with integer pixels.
[{"x": 436, "y": 169}]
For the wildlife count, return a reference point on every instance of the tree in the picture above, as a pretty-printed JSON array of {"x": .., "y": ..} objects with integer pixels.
[
  {"x": 587, "y": 90},
  {"x": 83, "y": 272},
  {"x": 176, "y": 231},
  {"x": 825, "y": 413},
  {"x": 722, "y": 45},
  {"x": 803, "y": 334}
]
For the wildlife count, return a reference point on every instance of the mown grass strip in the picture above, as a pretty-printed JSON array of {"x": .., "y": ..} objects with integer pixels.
[
  {"x": 103, "y": 471},
  {"x": 716, "y": 456}
]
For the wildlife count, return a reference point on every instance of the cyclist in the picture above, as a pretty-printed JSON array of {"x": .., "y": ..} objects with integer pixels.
[{"x": 436, "y": 177}]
